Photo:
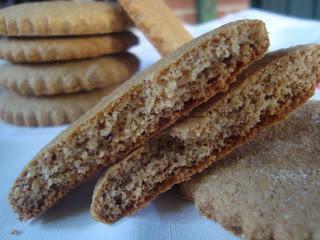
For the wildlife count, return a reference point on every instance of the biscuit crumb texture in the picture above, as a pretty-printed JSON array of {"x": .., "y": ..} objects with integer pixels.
[
  {"x": 264, "y": 93},
  {"x": 33, "y": 50},
  {"x": 67, "y": 77},
  {"x": 268, "y": 188},
  {"x": 137, "y": 110},
  {"x": 62, "y": 18},
  {"x": 15, "y": 232}
]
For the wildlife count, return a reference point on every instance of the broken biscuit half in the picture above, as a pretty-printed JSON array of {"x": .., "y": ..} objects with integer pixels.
[
  {"x": 263, "y": 95},
  {"x": 139, "y": 109}
]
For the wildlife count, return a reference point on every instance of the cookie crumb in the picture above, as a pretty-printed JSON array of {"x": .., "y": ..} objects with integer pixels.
[{"x": 15, "y": 232}]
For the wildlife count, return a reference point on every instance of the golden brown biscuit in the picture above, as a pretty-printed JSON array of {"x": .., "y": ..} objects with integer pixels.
[
  {"x": 264, "y": 94},
  {"x": 29, "y": 50},
  {"x": 136, "y": 111},
  {"x": 270, "y": 187},
  {"x": 48, "y": 111},
  {"x": 155, "y": 19},
  {"x": 67, "y": 77},
  {"x": 62, "y": 18}
]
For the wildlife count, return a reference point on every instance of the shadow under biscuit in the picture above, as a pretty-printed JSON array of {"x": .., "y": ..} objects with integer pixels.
[
  {"x": 75, "y": 205},
  {"x": 170, "y": 206}
]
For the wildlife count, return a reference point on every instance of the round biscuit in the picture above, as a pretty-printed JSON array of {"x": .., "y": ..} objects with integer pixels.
[
  {"x": 30, "y": 50},
  {"x": 48, "y": 111},
  {"x": 62, "y": 18},
  {"x": 270, "y": 187},
  {"x": 67, "y": 77}
]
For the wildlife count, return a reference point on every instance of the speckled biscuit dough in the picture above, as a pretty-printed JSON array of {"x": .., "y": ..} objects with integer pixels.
[
  {"x": 48, "y": 111},
  {"x": 62, "y": 18},
  {"x": 67, "y": 77},
  {"x": 264, "y": 94},
  {"x": 31, "y": 50},
  {"x": 155, "y": 19},
  {"x": 270, "y": 187},
  {"x": 138, "y": 110}
]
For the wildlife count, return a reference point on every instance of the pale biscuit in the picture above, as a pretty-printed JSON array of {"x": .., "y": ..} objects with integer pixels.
[
  {"x": 48, "y": 111},
  {"x": 29, "y": 50},
  {"x": 270, "y": 187},
  {"x": 138, "y": 110},
  {"x": 67, "y": 77},
  {"x": 155, "y": 19},
  {"x": 62, "y": 18},
  {"x": 264, "y": 94}
]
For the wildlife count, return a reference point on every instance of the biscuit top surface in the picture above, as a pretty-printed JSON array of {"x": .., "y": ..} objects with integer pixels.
[
  {"x": 61, "y": 18},
  {"x": 269, "y": 188}
]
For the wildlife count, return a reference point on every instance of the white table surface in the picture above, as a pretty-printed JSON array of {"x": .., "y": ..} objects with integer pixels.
[{"x": 168, "y": 217}]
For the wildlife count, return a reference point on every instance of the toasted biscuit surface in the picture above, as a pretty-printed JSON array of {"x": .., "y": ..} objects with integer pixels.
[
  {"x": 264, "y": 94},
  {"x": 67, "y": 77},
  {"x": 136, "y": 111},
  {"x": 62, "y": 18},
  {"x": 48, "y": 111},
  {"x": 165, "y": 31},
  {"x": 29, "y": 50},
  {"x": 268, "y": 188}
]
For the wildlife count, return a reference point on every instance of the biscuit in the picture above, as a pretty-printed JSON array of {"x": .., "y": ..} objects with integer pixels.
[
  {"x": 30, "y": 50},
  {"x": 62, "y": 18},
  {"x": 268, "y": 188},
  {"x": 155, "y": 19},
  {"x": 48, "y": 111},
  {"x": 264, "y": 94},
  {"x": 67, "y": 77},
  {"x": 137, "y": 111}
]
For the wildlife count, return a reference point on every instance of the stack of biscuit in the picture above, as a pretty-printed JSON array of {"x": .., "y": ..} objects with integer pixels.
[
  {"x": 63, "y": 57},
  {"x": 195, "y": 106}
]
